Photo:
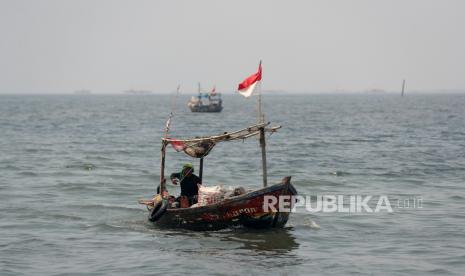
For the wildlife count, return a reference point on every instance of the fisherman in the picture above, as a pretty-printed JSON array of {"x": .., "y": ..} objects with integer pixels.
[{"x": 188, "y": 181}]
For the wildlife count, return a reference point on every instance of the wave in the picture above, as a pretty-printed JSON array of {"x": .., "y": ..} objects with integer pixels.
[
  {"x": 106, "y": 206},
  {"x": 457, "y": 197},
  {"x": 340, "y": 173},
  {"x": 316, "y": 183},
  {"x": 83, "y": 166}
]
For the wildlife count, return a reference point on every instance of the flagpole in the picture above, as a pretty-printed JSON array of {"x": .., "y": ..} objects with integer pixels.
[
  {"x": 259, "y": 104},
  {"x": 162, "y": 168},
  {"x": 261, "y": 119}
]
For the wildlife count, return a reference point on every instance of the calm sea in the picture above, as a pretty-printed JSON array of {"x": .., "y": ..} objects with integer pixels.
[{"x": 73, "y": 167}]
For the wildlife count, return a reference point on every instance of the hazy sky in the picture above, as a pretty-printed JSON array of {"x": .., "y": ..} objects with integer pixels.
[{"x": 109, "y": 46}]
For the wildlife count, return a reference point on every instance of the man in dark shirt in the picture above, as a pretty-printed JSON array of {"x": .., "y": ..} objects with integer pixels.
[{"x": 188, "y": 181}]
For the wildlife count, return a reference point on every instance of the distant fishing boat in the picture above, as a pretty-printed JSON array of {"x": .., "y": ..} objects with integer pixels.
[
  {"x": 375, "y": 91},
  {"x": 206, "y": 102},
  {"x": 403, "y": 88}
]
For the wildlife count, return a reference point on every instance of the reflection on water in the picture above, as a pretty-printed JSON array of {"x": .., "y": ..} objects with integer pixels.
[
  {"x": 262, "y": 249},
  {"x": 271, "y": 240}
]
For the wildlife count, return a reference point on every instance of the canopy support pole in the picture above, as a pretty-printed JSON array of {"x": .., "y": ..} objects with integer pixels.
[
  {"x": 262, "y": 145},
  {"x": 162, "y": 167},
  {"x": 261, "y": 119},
  {"x": 259, "y": 107},
  {"x": 201, "y": 170}
]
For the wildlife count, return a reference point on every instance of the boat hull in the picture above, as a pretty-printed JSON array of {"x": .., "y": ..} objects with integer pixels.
[
  {"x": 206, "y": 108},
  {"x": 245, "y": 210}
]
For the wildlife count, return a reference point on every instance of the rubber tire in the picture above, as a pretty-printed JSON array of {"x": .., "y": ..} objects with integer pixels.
[{"x": 158, "y": 211}]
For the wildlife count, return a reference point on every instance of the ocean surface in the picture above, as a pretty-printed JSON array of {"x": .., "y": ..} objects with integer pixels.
[{"x": 73, "y": 167}]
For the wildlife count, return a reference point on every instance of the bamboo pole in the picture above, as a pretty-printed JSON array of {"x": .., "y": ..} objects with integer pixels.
[
  {"x": 162, "y": 167},
  {"x": 227, "y": 136},
  {"x": 201, "y": 170},
  {"x": 259, "y": 106},
  {"x": 262, "y": 145},
  {"x": 261, "y": 119}
]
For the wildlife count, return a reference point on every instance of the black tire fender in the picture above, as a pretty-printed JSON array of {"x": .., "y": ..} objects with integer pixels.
[{"x": 158, "y": 210}]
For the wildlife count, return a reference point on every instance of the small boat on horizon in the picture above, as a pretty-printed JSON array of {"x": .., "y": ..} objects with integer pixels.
[{"x": 403, "y": 88}]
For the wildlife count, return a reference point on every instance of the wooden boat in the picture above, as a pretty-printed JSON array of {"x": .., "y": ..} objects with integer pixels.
[
  {"x": 210, "y": 107},
  {"x": 242, "y": 210}
]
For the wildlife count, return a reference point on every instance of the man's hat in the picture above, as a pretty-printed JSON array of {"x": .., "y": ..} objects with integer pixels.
[{"x": 188, "y": 165}]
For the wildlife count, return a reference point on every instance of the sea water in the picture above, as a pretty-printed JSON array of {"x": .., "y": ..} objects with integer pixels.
[{"x": 73, "y": 167}]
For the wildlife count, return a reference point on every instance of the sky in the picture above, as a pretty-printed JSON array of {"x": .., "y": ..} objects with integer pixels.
[{"x": 107, "y": 46}]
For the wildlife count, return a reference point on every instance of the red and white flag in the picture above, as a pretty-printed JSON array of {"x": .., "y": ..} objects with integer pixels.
[
  {"x": 213, "y": 92},
  {"x": 247, "y": 87}
]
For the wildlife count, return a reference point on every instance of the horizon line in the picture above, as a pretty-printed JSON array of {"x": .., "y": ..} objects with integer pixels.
[{"x": 269, "y": 92}]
